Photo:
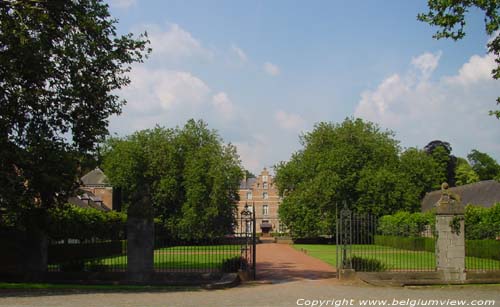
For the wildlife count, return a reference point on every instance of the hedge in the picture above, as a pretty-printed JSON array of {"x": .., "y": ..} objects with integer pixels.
[
  {"x": 408, "y": 243},
  {"x": 71, "y": 222},
  {"x": 489, "y": 249}
]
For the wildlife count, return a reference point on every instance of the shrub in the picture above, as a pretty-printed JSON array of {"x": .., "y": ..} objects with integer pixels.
[
  {"x": 85, "y": 223},
  {"x": 405, "y": 224},
  {"x": 489, "y": 249},
  {"x": 233, "y": 264},
  {"x": 408, "y": 243},
  {"x": 367, "y": 265},
  {"x": 73, "y": 266},
  {"x": 482, "y": 223}
]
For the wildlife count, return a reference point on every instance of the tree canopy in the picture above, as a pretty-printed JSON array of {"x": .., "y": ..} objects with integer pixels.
[
  {"x": 354, "y": 161},
  {"x": 188, "y": 174},
  {"x": 484, "y": 165},
  {"x": 450, "y": 17},
  {"x": 61, "y": 63}
]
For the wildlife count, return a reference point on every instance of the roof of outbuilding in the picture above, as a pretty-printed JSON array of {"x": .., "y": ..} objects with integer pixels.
[
  {"x": 484, "y": 193},
  {"x": 95, "y": 177}
]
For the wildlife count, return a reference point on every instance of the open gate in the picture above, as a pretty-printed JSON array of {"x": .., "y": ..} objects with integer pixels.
[{"x": 249, "y": 241}]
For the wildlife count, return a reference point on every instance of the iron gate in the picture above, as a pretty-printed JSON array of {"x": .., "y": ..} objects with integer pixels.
[
  {"x": 361, "y": 246},
  {"x": 249, "y": 242}
]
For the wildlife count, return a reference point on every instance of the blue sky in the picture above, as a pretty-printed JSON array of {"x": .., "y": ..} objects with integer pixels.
[{"x": 262, "y": 72}]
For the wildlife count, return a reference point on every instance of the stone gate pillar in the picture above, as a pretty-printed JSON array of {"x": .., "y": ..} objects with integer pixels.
[
  {"x": 140, "y": 241},
  {"x": 450, "y": 243}
]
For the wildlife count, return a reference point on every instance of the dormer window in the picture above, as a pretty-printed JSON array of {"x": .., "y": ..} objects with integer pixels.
[
  {"x": 265, "y": 195},
  {"x": 264, "y": 185}
]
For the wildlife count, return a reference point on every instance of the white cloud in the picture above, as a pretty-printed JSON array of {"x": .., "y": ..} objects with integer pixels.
[
  {"x": 477, "y": 69},
  {"x": 289, "y": 121},
  {"x": 453, "y": 108},
  {"x": 175, "y": 43},
  {"x": 271, "y": 69},
  {"x": 426, "y": 63},
  {"x": 123, "y": 4},
  {"x": 223, "y": 105},
  {"x": 240, "y": 53}
]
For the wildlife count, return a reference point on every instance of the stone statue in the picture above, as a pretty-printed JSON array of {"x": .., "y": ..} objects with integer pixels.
[{"x": 449, "y": 202}]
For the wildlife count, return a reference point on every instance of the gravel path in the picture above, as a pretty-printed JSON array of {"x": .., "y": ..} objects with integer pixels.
[{"x": 283, "y": 294}]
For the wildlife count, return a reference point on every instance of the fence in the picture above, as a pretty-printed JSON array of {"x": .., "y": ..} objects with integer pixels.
[
  {"x": 362, "y": 248},
  {"x": 482, "y": 255}
]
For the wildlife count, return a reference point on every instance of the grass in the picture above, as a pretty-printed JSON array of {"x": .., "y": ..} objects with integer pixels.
[
  {"x": 179, "y": 258},
  {"x": 395, "y": 259},
  {"x": 45, "y": 286}
]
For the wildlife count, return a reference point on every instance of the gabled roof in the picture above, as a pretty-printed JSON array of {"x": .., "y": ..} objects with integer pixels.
[
  {"x": 484, "y": 193},
  {"x": 247, "y": 184},
  {"x": 95, "y": 177},
  {"x": 88, "y": 200}
]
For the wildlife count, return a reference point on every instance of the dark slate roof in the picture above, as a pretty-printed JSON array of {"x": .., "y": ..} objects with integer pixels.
[
  {"x": 95, "y": 177},
  {"x": 484, "y": 193},
  {"x": 247, "y": 184},
  {"x": 88, "y": 200}
]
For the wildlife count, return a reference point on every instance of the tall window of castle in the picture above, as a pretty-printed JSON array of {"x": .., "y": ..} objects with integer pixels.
[
  {"x": 264, "y": 185},
  {"x": 265, "y": 195},
  {"x": 265, "y": 210},
  {"x": 264, "y": 178},
  {"x": 249, "y": 195}
]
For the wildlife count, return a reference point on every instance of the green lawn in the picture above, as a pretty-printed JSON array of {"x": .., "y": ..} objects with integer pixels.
[
  {"x": 393, "y": 258},
  {"x": 174, "y": 258}
]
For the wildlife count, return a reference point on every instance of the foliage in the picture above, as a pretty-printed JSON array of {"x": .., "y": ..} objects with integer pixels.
[
  {"x": 485, "y": 166},
  {"x": 233, "y": 264},
  {"x": 361, "y": 264},
  {"x": 61, "y": 63},
  {"x": 420, "y": 169},
  {"x": 188, "y": 175},
  {"x": 488, "y": 249},
  {"x": 445, "y": 162},
  {"x": 406, "y": 224},
  {"x": 71, "y": 222},
  {"x": 455, "y": 225},
  {"x": 336, "y": 164},
  {"x": 464, "y": 174},
  {"x": 482, "y": 223},
  {"x": 407, "y": 243},
  {"x": 450, "y": 17}
]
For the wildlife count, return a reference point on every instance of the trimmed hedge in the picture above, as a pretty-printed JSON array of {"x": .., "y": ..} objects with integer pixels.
[
  {"x": 71, "y": 222},
  {"x": 367, "y": 265},
  {"x": 408, "y": 243},
  {"x": 489, "y": 249}
]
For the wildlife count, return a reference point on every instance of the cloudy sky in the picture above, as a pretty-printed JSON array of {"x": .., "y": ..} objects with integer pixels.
[{"x": 263, "y": 72}]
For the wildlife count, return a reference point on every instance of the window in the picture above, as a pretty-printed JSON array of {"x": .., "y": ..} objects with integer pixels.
[
  {"x": 250, "y": 208},
  {"x": 249, "y": 195},
  {"x": 264, "y": 185},
  {"x": 264, "y": 178},
  {"x": 265, "y": 210},
  {"x": 265, "y": 195}
]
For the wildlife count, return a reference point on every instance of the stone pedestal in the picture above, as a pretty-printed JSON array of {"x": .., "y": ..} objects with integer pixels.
[
  {"x": 450, "y": 247},
  {"x": 450, "y": 243},
  {"x": 140, "y": 249}
]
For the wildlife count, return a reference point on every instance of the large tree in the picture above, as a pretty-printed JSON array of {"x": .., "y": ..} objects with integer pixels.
[
  {"x": 445, "y": 162},
  {"x": 450, "y": 17},
  {"x": 484, "y": 165},
  {"x": 61, "y": 63},
  {"x": 354, "y": 161},
  {"x": 188, "y": 174}
]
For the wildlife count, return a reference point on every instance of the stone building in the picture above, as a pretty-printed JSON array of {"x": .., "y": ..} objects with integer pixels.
[
  {"x": 261, "y": 194},
  {"x": 96, "y": 192}
]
